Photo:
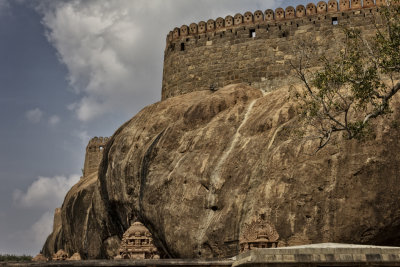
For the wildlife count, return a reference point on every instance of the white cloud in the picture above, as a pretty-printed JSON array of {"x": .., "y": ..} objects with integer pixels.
[
  {"x": 95, "y": 41},
  {"x": 53, "y": 120},
  {"x": 30, "y": 237},
  {"x": 43, "y": 196},
  {"x": 34, "y": 115},
  {"x": 4, "y": 5},
  {"x": 47, "y": 193},
  {"x": 41, "y": 229},
  {"x": 113, "y": 50}
]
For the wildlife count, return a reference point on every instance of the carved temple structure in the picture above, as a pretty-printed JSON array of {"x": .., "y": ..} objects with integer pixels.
[
  {"x": 258, "y": 234},
  {"x": 137, "y": 243},
  {"x": 61, "y": 255}
]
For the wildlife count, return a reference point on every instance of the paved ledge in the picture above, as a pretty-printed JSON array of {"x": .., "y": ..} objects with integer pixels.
[
  {"x": 318, "y": 255},
  {"x": 111, "y": 263}
]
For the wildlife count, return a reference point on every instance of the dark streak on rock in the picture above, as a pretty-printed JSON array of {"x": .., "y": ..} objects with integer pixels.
[{"x": 147, "y": 158}]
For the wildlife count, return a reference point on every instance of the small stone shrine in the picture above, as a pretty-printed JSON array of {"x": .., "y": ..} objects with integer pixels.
[
  {"x": 258, "y": 234},
  {"x": 39, "y": 258},
  {"x": 137, "y": 244},
  {"x": 75, "y": 257},
  {"x": 61, "y": 255}
]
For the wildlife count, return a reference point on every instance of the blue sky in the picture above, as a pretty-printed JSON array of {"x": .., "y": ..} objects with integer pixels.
[{"x": 69, "y": 71}]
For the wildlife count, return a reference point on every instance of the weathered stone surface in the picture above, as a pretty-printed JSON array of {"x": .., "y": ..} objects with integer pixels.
[{"x": 196, "y": 168}]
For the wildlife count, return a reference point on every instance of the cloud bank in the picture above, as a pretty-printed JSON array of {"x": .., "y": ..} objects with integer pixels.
[
  {"x": 41, "y": 229},
  {"x": 46, "y": 193},
  {"x": 42, "y": 196},
  {"x": 113, "y": 50}
]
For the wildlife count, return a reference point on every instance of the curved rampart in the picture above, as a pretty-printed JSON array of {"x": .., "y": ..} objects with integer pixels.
[
  {"x": 94, "y": 154},
  {"x": 234, "y": 49}
]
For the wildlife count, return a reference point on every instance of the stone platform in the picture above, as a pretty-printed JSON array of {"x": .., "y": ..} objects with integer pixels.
[
  {"x": 112, "y": 263},
  {"x": 318, "y": 255}
]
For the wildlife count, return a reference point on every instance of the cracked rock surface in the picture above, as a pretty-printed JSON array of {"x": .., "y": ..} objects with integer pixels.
[{"x": 195, "y": 168}]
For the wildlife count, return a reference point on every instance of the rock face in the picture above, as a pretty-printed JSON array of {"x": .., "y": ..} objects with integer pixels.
[{"x": 196, "y": 168}]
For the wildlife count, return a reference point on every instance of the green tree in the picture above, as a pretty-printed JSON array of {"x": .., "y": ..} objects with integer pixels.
[
  {"x": 356, "y": 86},
  {"x": 8, "y": 258}
]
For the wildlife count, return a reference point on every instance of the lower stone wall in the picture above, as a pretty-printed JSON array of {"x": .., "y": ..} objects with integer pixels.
[
  {"x": 321, "y": 255},
  {"x": 317, "y": 255},
  {"x": 112, "y": 263}
]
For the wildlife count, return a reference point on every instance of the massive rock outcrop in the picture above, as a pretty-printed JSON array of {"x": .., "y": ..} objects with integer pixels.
[{"x": 197, "y": 167}]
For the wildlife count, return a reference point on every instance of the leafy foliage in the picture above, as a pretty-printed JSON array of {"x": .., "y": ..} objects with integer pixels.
[
  {"x": 357, "y": 85},
  {"x": 7, "y": 257}
]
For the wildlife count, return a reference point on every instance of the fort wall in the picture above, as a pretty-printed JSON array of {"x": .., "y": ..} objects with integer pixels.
[
  {"x": 94, "y": 154},
  {"x": 256, "y": 48}
]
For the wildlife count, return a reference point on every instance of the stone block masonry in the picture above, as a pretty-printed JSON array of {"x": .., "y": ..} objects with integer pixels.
[
  {"x": 94, "y": 154},
  {"x": 256, "y": 48},
  {"x": 318, "y": 255}
]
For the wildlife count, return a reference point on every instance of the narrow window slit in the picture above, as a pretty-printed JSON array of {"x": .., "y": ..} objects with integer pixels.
[{"x": 252, "y": 33}]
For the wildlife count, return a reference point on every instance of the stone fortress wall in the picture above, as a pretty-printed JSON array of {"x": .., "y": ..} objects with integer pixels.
[
  {"x": 94, "y": 154},
  {"x": 256, "y": 48}
]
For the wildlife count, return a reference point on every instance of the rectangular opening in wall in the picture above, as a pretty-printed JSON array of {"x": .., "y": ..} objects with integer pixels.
[
  {"x": 182, "y": 46},
  {"x": 335, "y": 21},
  {"x": 252, "y": 33}
]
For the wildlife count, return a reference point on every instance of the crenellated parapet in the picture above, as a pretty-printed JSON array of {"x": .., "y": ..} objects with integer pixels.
[
  {"x": 257, "y": 47},
  {"x": 269, "y": 15},
  {"x": 94, "y": 154},
  {"x": 97, "y": 143}
]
